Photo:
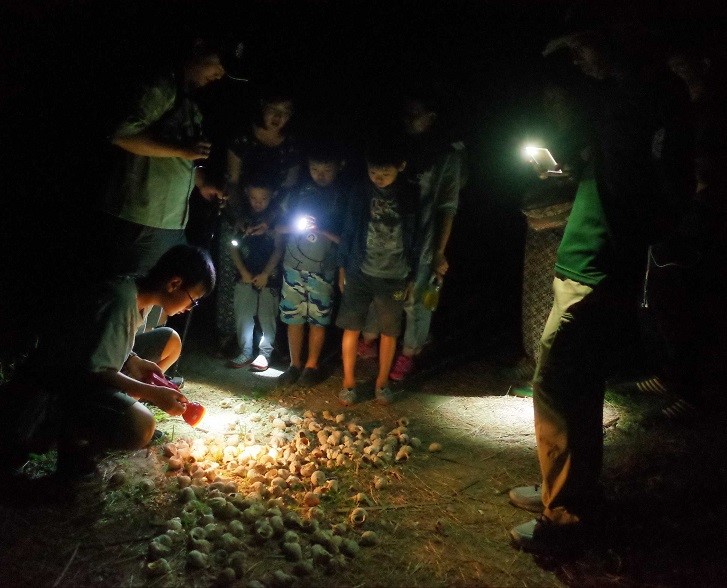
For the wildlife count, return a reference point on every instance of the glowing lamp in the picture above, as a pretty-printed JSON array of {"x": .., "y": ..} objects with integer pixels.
[
  {"x": 301, "y": 223},
  {"x": 543, "y": 159},
  {"x": 234, "y": 242}
]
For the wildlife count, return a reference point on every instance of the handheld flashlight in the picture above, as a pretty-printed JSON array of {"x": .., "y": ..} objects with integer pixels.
[
  {"x": 193, "y": 411},
  {"x": 303, "y": 223}
]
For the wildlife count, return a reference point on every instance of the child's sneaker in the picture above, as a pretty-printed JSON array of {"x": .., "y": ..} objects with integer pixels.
[
  {"x": 260, "y": 364},
  {"x": 403, "y": 366},
  {"x": 240, "y": 361},
  {"x": 310, "y": 377},
  {"x": 178, "y": 381},
  {"x": 347, "y": 396},
  {"x": 384, "y": 395},
  {"x": 289, "y": 376},
  {"x": 367, "y": 349}
]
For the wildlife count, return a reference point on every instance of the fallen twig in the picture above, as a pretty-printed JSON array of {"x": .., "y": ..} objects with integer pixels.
[
  {"x": 611, "y": 423},
  {"x": 68, "y": 564},
  {"x": 463, "y": 488},
  {"x": 469, "y": 465},
  {"x": 392, "y": 506}
]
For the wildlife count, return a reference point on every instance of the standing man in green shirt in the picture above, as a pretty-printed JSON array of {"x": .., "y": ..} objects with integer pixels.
[
  {"x": 627, "y": 200},
  {"x": 160, "y": 146}
]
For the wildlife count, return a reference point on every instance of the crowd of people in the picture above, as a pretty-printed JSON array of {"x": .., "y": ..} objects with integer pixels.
[
  {"x": 378, "y": 241},
  {"x": 312, "y": 234}
]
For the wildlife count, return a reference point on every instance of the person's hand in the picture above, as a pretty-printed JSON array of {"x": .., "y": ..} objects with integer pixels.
[
  {"x": 409, "y": 291},
  {"x": 200, "y": 150},
  {"x": 255, "y": 230},
  {"x": 170, "y": 401},
  {"x": 440, "y": 265},
  {"x": 142, "y": 369},
  {"x": 544, "y": 174},
  {"x": 209, "y": 192},
  {"x": 559, "y": 173},
  {"x": 260, "y": 281},
  {"x": 246, "y": 276}
]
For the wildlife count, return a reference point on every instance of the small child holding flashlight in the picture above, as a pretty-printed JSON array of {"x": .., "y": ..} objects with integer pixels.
[
  {"x": 80, "y": 388},
  {"x": 312, "y": 225},
  {"x": 256, "y": 252}
]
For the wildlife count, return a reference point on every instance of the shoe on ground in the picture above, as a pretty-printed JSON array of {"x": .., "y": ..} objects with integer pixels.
[
  {"x": 310, "y": 377},
  {"x": 403, "y": 366},
  {"x": 259, "y": 364},
  {"x": 384, "y": 395},
  {"x": 527, "y": 498},
  {"x": 367, "y": 349},
  {"x": 678, "y": 412},
  {"x": 289, "y": 376},
  {"x": 240, "y": 361},
  {"x": 541, "y": 536},
  {"x": 654, "y": 386},
  {"x": 521, "y": 391},
  {"x": 348, "y": 396},
  {"x": 178, "y": 381}
]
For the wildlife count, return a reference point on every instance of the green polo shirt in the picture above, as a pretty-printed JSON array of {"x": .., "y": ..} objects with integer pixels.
[{"x": 154, "y": 191}]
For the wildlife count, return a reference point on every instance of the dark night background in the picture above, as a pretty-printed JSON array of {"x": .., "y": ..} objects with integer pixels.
[{"x": 68, "y": 66}]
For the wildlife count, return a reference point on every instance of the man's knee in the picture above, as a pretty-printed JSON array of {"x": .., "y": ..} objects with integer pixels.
[
  {"x": 140, "y": 429},
  {"x": 173, "y": 348}
]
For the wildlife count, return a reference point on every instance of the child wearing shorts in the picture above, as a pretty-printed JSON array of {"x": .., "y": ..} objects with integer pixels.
[
  {"x": 377, "y": 258},
  {"x": 312, "y": 227}
]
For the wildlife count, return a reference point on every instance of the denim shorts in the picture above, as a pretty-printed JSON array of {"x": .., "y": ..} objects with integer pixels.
[
  {"x": 360, "y": 291},
  {"x": 306, "y": 297}
]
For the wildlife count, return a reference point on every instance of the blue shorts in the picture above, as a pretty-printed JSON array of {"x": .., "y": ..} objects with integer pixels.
[
  {"x": 306, "y": 297},
  {"x": 360, "y": 291}
]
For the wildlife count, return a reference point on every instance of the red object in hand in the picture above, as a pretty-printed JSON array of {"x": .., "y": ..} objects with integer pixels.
[
  {"x": 194, "y": 413},
  {"x": 158, "y": 380}
]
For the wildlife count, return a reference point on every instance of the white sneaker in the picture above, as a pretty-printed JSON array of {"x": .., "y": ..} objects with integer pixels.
[
  {"x": 527, "y": 497},
  {"x": 260, "y": 364}
]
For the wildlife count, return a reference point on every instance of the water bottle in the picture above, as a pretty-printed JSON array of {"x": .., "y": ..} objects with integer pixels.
[{"x": 430, "y": 298}]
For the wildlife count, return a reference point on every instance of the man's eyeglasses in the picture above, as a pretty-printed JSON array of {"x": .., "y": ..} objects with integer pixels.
[{"x": 192, "y": 302}]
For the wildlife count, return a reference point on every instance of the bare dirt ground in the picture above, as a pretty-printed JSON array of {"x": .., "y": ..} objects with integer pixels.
[{"x": 439, "y": 518}]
